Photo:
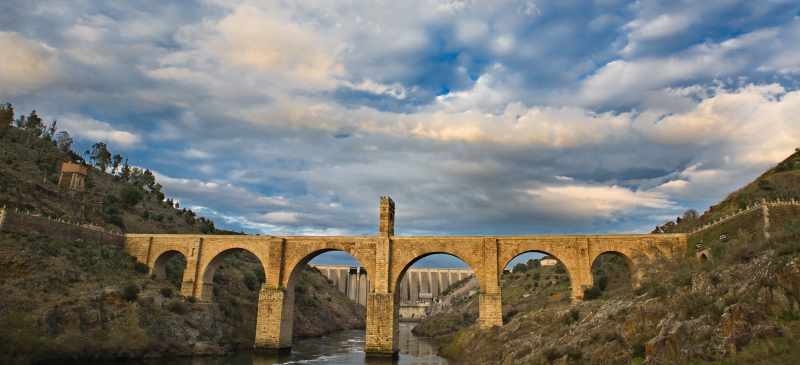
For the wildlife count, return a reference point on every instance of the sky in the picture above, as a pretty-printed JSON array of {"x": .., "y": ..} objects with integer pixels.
[{"x": 477, "y": 118}]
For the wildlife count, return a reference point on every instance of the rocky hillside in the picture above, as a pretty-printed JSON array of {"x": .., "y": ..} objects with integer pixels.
[
  {"x": 529, "y": 287},
  {"x": 738, "y": 308},
  {"x": 29, "y": 173},
  {"x": 70, "y": 302}
]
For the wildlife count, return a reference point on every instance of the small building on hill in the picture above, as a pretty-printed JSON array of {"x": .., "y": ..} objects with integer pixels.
[
  {"x": 549, "y": 262},
  {"x": 72, "y": 177}
]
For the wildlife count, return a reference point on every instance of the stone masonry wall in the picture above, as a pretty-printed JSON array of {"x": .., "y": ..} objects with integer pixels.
[
  {"x": 751, "y": 222},
  {"x": 21, "y": 222}
]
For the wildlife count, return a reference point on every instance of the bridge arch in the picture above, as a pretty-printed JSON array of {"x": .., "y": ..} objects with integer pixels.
[
  {"x": 161, "y": 252},
  {"x": 563, "y": 251},
  {"x": 410, "y": 252},
  {"x": 397, "y": 281},
  {"x": 295, "y": 261},
  {"x": 404, "y": 271},
  {"x": 160, "y": 264},
  {"x": 299, "y": 265},
  {"x": 619, "y": 250},
  {"x": 407, "y": 250},
  {"x": 210, "y": 261},
  {"x": 602, "y": 281},
  {"x": 560, "y": 262}
]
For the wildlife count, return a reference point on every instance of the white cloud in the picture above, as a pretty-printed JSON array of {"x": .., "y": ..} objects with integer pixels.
[
  {"x": 594, "y": 201},
  {"x": 758, "y": 123},
  {"x": 394, "y": 90},
  {"x": 196, "y": 154},
  {"x": 279, "y": 218},
  {"x": 252, "y": 36},
  {"x": 218, "y": 194},
  {"x": 93, "y": 130},
  {"x": 26, "y": 64}
]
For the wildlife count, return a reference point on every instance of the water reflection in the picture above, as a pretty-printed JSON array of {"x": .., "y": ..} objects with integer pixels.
[{"x": 343, "y": 347}]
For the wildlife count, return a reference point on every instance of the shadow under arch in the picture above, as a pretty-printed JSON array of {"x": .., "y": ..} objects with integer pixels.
[
  {"x": 570, "y": 274},
  {"x": 207, "y": 279},
  {"x": 600, "y": 260},
  {"x": 160, "y": 264}
]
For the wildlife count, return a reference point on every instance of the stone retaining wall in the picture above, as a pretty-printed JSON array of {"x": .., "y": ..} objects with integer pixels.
[{"x": 60, "y": 230}]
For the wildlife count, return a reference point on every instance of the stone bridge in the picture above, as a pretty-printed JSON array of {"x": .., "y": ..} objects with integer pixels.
[{"x": 386, "y": 258}]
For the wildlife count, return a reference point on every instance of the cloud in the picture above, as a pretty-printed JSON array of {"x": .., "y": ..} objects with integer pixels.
[
  {"x": 254, "y": 37},
  {"x": 510, "y": 117},
  {"x": 26, "y": 64},
  {"x": 93, "y": 130},
  {"x": 395, "y": 90},
  {"x": 214, "y": 194},
  {"x": 756, "y": 121},
  {"x": 594, "y": 201}
]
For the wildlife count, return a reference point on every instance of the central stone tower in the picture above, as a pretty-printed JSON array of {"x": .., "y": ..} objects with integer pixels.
[
  {"x": 383, "y": 306},
  {"x": 387, "y": 217}
]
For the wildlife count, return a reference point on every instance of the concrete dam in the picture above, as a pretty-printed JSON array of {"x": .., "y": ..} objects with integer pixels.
[{"x": 419, "y": 287}]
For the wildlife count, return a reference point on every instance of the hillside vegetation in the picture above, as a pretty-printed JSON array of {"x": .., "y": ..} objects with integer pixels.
[
  {"x": 121, "y": 197},
  {"x": 738, "y": 308},
  {"x": 781, "y": 182},
  {"x": 62, "y": 301}
]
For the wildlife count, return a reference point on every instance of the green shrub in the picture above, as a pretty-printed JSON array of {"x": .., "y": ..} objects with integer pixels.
[
  {"x": 251, "y": 282},
  {"x": 141, "y": 267},
  {"x": 177, "y": 306},
  {"x": 130, "y": 292},
  {"x": 166, "y": 292},
  {"x": 130, "y": 196},
  {"x": 116, "y": 220},
  {"x": 592, "y": 293}
]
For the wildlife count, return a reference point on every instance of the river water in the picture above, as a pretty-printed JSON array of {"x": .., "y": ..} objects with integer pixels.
[{"x": 343, "y": 347}]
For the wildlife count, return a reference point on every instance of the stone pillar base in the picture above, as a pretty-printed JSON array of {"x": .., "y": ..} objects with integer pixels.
[
  {"x": 491, "y": 310},
  {"x": 383, "y": 325},
  {"x": 187, "y": 288},
  {"x": 274, "y": 322}
]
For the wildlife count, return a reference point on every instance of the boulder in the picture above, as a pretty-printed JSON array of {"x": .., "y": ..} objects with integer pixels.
[
  {"x": 738, "y": 318},
  {"x": 733, "y": 344},
  {"x": 789, "y": 277},
  {"x": 675, "y": 339}
]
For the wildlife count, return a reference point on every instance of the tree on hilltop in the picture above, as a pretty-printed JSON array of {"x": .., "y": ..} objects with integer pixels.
[
  {"x": 6, "y": 118},
  {"x": 50, "y": 132},
  {"x": 31, "y": 124},
  {"x": 64, "y": 141},
  {"x": 125, "y": 172},
  {"x": 100, "y": 156},
  {"x": 115, "y": 163}
]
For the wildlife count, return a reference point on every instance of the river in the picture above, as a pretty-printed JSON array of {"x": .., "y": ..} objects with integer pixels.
[{"x": 342, "y": 347}]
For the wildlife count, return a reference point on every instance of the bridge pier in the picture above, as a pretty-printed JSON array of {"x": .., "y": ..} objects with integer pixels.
[
  {"x": 490, "y": 310},
  {"x": 190, "y": 276},
  {"x": 274, "y": 319},
  {"x": 383, "y": 324}
]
